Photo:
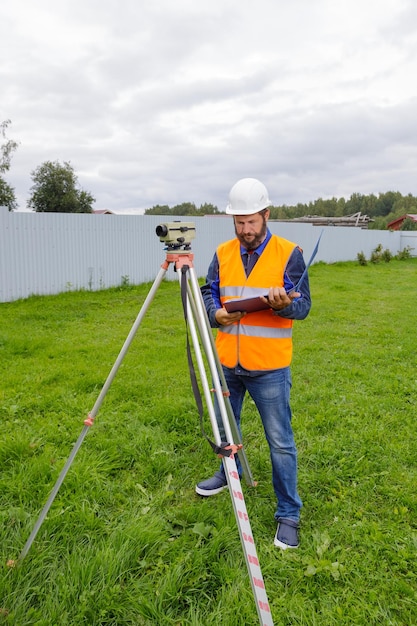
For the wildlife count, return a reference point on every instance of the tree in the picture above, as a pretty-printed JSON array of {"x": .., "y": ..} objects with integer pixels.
[
  {"x": 386, "y": 202},
  {"x": 208, "y": 209},
  {"x": 354, "y": 204},
  {"x": 408, "y": 224},
  {"x": 7, "y": 195},
  {"x": 186, "y": 208},
  {"x": 55, "y": 190},
  {"x": 158, "y": 209}
]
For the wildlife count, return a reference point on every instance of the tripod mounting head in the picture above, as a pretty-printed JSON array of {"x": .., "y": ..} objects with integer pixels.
[{"x": 177, "y": 235}]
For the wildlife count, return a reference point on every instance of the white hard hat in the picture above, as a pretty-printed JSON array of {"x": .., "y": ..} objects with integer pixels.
[{"x": 247, "y": 196}]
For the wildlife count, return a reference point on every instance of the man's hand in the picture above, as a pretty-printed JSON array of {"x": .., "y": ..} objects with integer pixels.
[
  {"x": 226, "y": 319},
  {"x": 279, "y": 299}
]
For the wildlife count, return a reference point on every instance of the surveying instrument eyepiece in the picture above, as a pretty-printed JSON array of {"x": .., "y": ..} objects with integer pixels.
[{"x": 176, "y": 235}]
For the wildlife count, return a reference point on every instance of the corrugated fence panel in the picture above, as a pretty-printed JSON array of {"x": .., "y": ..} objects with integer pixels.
[{"x": 47, "y": 253}]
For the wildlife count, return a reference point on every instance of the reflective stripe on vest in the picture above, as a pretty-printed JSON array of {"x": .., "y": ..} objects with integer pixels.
[
  {"x": 257, "y": 331},
  {"x": 261, "y": 340},
  {"x": 236, "y": 292}
]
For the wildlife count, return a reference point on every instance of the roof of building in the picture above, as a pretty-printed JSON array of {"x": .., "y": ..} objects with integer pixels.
[{"x": 395, "y": 224}]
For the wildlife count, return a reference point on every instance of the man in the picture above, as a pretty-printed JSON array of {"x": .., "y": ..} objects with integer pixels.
[{"x": 255, "y": 349}]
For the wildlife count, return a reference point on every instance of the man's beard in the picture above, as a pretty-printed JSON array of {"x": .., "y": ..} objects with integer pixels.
[{"x": 258, "y": 239}]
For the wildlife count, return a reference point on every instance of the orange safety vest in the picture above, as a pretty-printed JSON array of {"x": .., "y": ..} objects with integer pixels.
[{"x": 261, "y": 340}]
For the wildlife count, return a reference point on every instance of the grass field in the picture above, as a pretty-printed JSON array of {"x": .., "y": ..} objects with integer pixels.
[{"x": 127, "y": 541}]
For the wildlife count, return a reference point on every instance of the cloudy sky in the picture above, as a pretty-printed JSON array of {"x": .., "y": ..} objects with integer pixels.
[{"x": 171, "y": 101}]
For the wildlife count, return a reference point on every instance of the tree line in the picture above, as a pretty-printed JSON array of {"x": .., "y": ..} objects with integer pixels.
[
  {"x": 55, "y": 189},
  {"x": 382, "y": 209}
]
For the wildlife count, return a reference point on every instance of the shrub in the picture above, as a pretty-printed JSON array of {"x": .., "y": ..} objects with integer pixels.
[
  {"x": 361, "y": 258},
  {"x": 386, "y": 255},
  {"x": 403, "y": 254},
  {"x": 376, "y": 254}
]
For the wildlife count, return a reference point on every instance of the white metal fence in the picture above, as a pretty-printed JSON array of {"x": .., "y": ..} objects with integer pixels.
[{"x": 47, "y": 253}]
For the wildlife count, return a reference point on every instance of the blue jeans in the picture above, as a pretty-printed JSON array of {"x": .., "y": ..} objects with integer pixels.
[{"x": 270, "y": 392}]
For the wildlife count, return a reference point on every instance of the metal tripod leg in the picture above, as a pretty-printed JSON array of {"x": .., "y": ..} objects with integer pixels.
[
  {"x": 194, "y": 301},
  {"x": 225, "y": 391},
  {"x": 89, "y": 421}
]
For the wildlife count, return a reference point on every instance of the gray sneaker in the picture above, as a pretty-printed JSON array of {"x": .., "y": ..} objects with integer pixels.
[
  {"x": 212, "y": 486},
  {"x": 287, "y": 534}
]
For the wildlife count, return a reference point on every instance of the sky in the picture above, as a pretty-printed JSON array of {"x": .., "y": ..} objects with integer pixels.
[{"x": 163, "y": 102}]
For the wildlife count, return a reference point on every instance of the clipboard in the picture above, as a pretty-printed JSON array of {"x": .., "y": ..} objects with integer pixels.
[{"x": 247, "y": 305}]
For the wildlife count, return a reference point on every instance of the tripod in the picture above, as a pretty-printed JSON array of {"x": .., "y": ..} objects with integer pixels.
[{"x": 180, "y": 256}]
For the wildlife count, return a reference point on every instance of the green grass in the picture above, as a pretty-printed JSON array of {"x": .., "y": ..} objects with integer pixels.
[{"x": 127, "y": 541}]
